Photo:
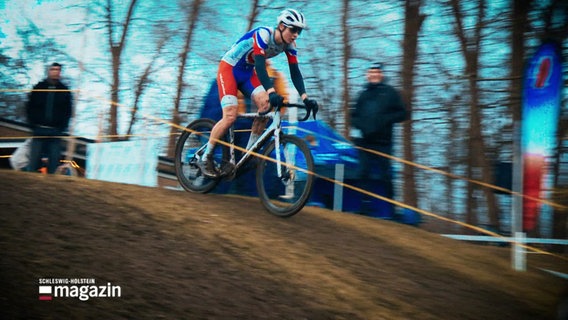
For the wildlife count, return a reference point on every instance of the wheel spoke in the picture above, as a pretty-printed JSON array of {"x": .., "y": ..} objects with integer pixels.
[
  {"x": 285, "y": 195},
  {"x": 189, "y": 147}
]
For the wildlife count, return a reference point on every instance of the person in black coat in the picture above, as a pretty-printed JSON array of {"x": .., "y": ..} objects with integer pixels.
[
  {"x": 49, "y": 110},
  {"x": 379, "y": 106}
]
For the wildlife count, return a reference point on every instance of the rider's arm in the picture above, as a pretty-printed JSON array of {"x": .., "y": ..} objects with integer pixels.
[
  {"x": 261, "y": 73},
  {"x": 260, "y": 43},
  {"x": 298, "y": 80},
  {"x": 295, "y": 73}
]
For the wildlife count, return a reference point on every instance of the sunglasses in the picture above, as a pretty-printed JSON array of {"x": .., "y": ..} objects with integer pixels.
[{"x": 294, "y": 29}]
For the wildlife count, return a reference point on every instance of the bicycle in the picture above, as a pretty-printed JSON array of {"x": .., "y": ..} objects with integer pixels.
[{"x": 284, "y": 162}]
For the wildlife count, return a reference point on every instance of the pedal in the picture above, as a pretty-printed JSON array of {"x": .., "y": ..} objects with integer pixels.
[
  {"x": 227, "y": 170},
  {"x": 193, "y": 161}
]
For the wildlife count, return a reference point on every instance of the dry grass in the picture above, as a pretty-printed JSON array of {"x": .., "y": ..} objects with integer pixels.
[{"x": 187, "y": 256}]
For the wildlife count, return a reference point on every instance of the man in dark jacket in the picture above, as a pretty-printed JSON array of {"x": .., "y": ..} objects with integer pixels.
[
  {"x": 49, "y": 111},
  {"x": 377, "y": 109}
]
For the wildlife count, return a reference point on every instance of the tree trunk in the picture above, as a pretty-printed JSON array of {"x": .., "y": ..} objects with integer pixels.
[
  {"x": 453, "y": 161},
  {"x": 519, "y": 18},
  {"x": 113, "y": 118},
  {"x": 116, "y": 50},
  {"x": 470, "y": 48},
  {"x": 345, "y": 66},
  {"x": 413, "y": 23},
  {"x": 253, "y": 15},
  {"x": 192, "y": 21},
  {"x": 144, "y": 81},
  {"x": 470, "y": 212}
]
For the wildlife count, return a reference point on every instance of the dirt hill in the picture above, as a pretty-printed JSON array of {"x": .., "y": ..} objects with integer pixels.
[{"x": 177, "y": 255}]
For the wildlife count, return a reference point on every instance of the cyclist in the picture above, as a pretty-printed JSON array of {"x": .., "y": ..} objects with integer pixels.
[{"x": 243, "y": 68}]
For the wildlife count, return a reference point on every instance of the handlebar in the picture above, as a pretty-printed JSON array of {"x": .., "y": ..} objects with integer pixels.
[{"x": 294, "y": 105}]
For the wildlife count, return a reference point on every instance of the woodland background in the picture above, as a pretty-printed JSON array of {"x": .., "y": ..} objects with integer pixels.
[{"x": 141, "y": 66}]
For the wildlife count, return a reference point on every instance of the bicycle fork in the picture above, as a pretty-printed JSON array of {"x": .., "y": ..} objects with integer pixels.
[
  {"x": 277, "y": 150},
  {"x": 232, "y": 144},
  {"x": 285, "y": 173}
]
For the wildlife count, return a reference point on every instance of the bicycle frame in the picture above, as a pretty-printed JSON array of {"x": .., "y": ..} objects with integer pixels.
[
  {"x": 273, "y": 130},
  {"x": 278, "y": 161}
]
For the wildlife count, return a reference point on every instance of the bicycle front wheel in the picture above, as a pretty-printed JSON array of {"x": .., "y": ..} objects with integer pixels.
[
  {"x": 285, "y": 186},
  {"x": 189, "y": 147}
]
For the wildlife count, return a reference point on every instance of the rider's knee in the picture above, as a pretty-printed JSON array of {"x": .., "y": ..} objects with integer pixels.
[
  {"x": 260, "y": 99},
  {"x": 229, "y": 120},
  {"x": 230, "y": 115}
]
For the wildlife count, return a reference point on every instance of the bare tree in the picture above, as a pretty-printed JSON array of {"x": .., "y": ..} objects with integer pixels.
[
  {"x": 14, "y": 69},
  {"x": 326, "y": 93},
  {"x": 253, "y": 14},
  {"x": 519, "y": 27},
  {"x": 471, "y": 47},
  {"x": 345, "y": 66},
  {"x": 145, "y": 79},
  {"x": 192, "y": 18},
  {"x": 412, "y": 26},
  {"x": 116, "y": 49}
]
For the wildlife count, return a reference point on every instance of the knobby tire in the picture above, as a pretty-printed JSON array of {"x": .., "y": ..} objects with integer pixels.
[
  {"x": 194, "y": 137},
  {"x": 285, "y": 197}
]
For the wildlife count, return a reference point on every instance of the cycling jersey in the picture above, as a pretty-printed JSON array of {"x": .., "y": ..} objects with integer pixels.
[
  {"x": 237, "y": 67},
  {"x": 257, "y": 41}
]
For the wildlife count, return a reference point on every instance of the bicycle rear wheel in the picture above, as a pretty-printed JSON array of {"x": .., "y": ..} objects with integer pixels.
[
  {"x": 189, "y": 148},
  {"x": 287, "y": 194}
]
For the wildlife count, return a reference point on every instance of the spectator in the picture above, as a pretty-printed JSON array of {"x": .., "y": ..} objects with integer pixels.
[
  {"x": 378, "y": 107},
  {"x": 49, "y": 111}
]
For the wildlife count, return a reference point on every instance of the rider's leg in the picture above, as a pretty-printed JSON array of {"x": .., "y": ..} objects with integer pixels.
[
  {"x": 221, "y": 127},
  {"x": 260, "y": 99},
  {"x": 207, "y": 164},
  {"x": 227, "y": 86},
  {"x": 228, "y": 96}
]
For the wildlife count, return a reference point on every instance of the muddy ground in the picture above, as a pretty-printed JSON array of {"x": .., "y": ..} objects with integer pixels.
[{"x": 177, "y": 255}]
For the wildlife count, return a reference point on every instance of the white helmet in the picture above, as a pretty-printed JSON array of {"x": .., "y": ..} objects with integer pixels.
[{"x": 292, "y": 18}]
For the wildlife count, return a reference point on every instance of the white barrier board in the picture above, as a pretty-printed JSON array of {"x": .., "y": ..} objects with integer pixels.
[{"x": 133, "y": 162}]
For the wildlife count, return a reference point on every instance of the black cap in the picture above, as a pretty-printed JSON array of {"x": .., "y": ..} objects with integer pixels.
[
  {"x": 55, "y": 64},
  {"x": 377, "y": 65}
]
